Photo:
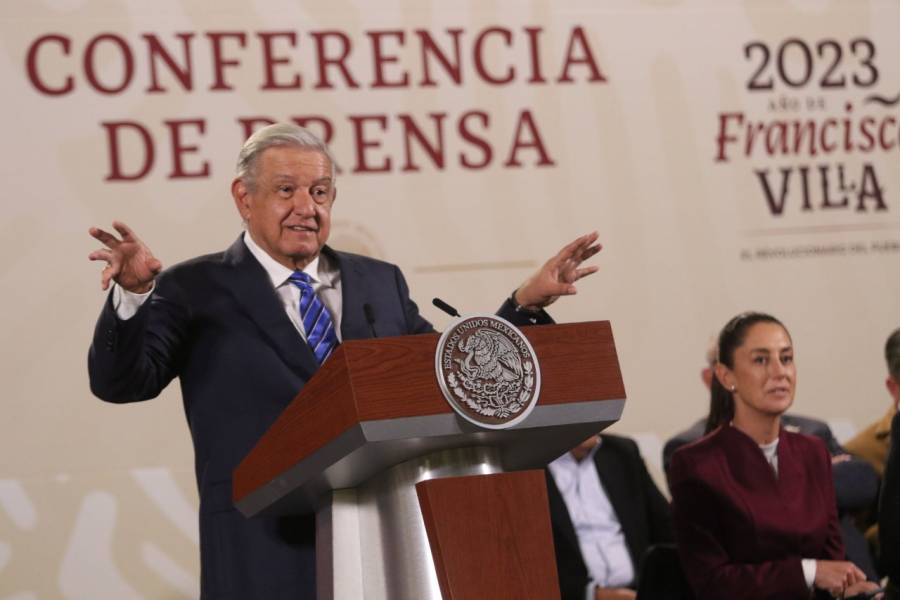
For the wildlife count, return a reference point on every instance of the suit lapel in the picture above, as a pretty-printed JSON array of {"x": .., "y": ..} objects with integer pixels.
[
  {"x": 559, "y": 514},
  {"x": 252, "y": 291},
  {"x": 791, "y": 477},
  {"x": 353, "y": 320},
  {"x": 615, "y": 483}
]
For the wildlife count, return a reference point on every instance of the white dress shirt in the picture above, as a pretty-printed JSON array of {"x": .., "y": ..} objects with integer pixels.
[
  {"x": 597, "y": 526},
  {"x": 326, "y": 282},
  {"x": 770, "y": 451}
]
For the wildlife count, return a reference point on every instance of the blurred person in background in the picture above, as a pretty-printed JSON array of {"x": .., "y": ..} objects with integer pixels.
[
  {"x": 889, "y": 514},
  {"x": 606, "y": 512},
  {"x": 872, "y": 443}
]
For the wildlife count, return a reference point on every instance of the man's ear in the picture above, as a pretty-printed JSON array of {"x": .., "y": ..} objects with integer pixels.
[
  {"x": 893, "y": 389},
  {"x": 241, "y": 198}
]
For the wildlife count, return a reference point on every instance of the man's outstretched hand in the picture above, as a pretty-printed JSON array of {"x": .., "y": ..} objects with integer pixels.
[
  {"x": 558, "y": 275},
  {"x": 129, "y": 261}
]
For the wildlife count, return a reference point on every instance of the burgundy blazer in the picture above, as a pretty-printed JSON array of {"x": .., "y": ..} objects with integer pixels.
[{"x": 742, "y": 530}]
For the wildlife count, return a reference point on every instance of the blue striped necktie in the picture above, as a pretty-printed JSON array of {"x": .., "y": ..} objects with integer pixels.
[{"x": 316, "y": 319}]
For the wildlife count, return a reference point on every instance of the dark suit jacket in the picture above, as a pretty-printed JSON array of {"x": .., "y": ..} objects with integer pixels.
[
  {"x": 216, "y": 323},
  {"x": 642, "y": 510},
  {"x": 742, "y": 531},
  {"x": 889, "y": 509}
]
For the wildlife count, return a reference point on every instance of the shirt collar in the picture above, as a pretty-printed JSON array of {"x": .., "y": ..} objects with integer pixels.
[
  {"x": 568, "y": 461},
  {"x": 277, "y": 272},
  {"x": 566, "y": 469},
  {"x": 593, "y": 451},
  {"x": 770, "y": 447}
]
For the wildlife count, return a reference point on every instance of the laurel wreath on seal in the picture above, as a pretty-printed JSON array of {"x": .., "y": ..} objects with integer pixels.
[{"x": 498, "y": 400}]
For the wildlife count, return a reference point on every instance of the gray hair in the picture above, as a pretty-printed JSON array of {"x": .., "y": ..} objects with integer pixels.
[
  {"x": 892, "y": 354},
  {"x": 279, "y": 134}
]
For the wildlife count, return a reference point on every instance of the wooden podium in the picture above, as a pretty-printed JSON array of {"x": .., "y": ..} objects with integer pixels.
[{"x": 412, "y": 501}]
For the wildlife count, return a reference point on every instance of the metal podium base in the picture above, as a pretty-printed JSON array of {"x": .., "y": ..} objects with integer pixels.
[{"x": 371, "y": 542}]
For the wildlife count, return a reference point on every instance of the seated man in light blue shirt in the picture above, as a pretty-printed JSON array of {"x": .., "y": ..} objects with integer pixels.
[{"x": 605, "y": 511}]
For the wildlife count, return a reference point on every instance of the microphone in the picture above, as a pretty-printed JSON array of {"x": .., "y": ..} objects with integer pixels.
[
  {"x": 370, "y": 318},
  {"x": 445, "y": 307}
]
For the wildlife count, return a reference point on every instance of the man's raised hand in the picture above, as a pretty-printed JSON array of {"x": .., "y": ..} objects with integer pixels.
[
  {"x": 129, "y": 261},
  {"x": 558, "y": 275}
]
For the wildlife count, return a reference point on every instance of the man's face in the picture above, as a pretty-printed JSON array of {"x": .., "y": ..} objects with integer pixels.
[{"x": 288, "y": 213}]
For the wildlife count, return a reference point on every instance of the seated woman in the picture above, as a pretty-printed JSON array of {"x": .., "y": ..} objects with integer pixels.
[{"x": 753, "y": 504}]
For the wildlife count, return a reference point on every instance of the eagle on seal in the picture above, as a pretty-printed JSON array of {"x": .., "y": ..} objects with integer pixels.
[{"x": 491, "y": 356}]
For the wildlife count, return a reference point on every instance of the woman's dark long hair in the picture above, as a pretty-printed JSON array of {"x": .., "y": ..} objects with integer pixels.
[{"x": 721, "y": 401}]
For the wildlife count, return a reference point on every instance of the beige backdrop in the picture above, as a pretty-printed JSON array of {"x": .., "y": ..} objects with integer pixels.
[{"x": 98, "y": 501}]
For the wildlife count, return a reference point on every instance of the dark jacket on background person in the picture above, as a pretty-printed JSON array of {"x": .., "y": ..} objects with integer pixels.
[{"x": 641, "y": 509}]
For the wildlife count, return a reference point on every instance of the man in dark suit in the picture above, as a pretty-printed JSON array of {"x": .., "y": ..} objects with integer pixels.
[
  {"x": 246, "y": 328},
  {"x": 889, "y": 513},
  {"x": 605, "y": 512}
]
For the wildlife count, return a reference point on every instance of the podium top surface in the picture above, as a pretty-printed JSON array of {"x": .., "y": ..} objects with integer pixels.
[{"x": 376, "y": 403}]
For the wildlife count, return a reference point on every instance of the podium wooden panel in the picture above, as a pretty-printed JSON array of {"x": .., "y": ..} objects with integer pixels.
[{"x": 490, "y": 536}]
